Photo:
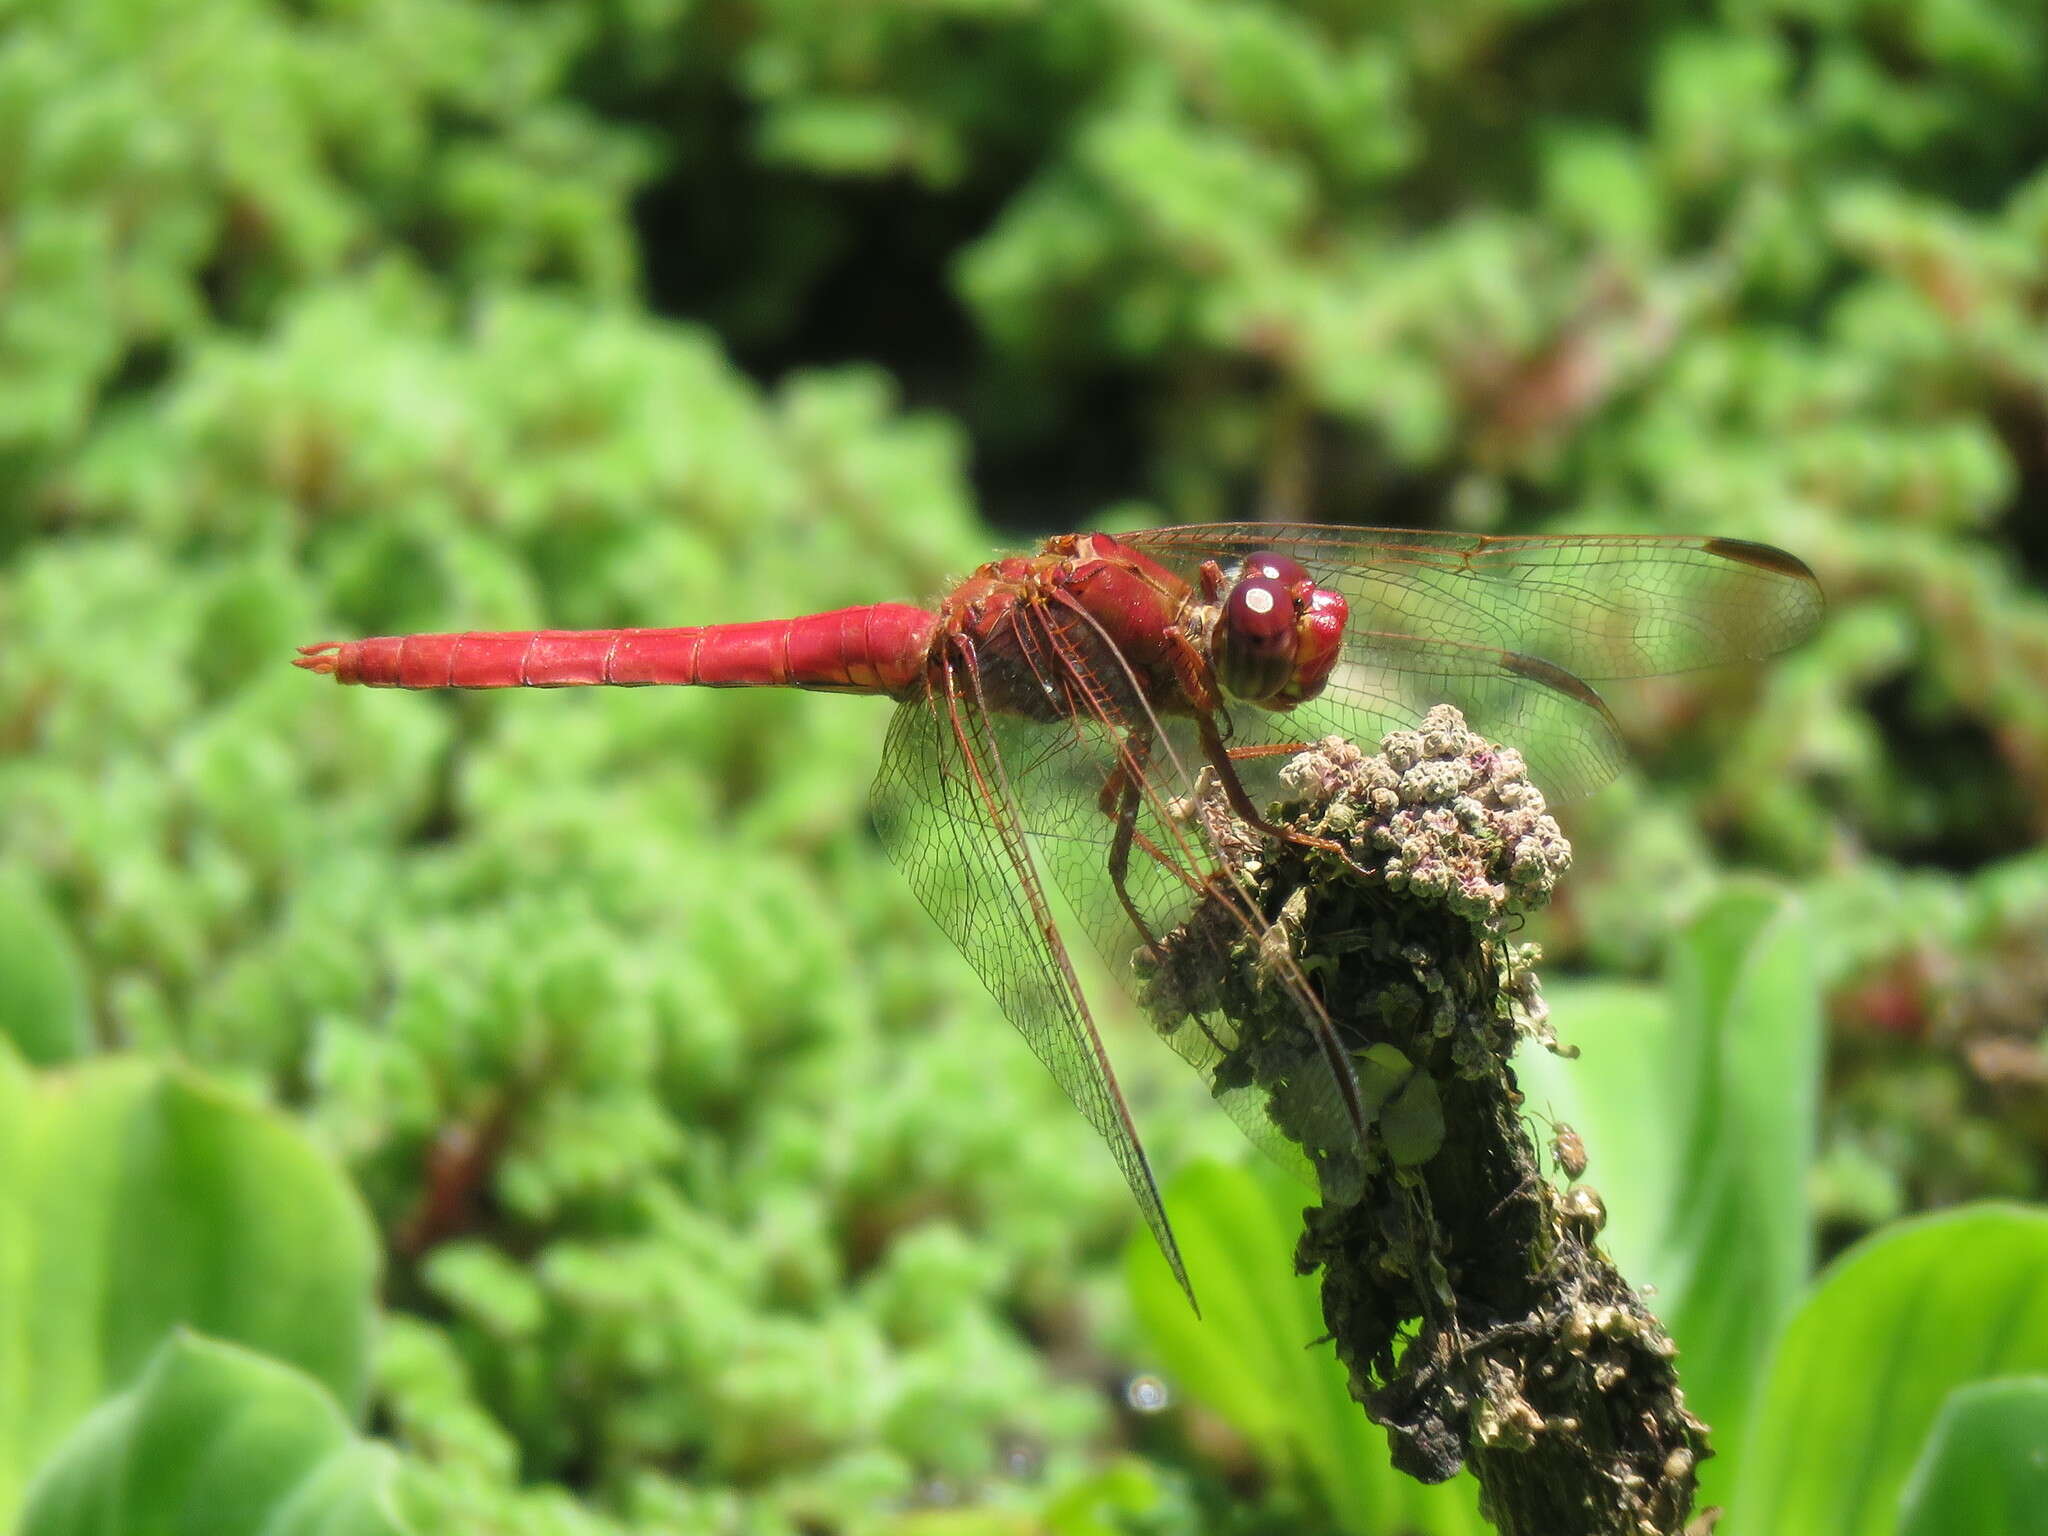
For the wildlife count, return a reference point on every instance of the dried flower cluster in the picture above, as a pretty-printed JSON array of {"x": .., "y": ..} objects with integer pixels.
[{"x": 1454, "y": 818}]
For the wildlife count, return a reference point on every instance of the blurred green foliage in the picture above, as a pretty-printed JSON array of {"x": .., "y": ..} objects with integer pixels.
[{"x": 713, "y": 1195}]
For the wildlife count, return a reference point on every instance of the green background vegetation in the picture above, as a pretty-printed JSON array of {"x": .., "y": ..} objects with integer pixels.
[{"x": 560, "y": 1090}]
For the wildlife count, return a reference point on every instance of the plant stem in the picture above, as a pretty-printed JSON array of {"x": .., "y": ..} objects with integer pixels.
[{"x": 1466, "y": 1294}]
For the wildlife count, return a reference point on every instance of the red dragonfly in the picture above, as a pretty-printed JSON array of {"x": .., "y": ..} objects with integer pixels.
[{"x": 1054, "y": 710}]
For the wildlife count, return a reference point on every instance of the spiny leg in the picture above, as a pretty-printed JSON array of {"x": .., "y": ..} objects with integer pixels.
[
  {"x": 1266, "y": 749},
  {"x": 1223, "y": 759},
  {"x": 1121, "y": 799},
  {"x": 1126, "y": 814},
  {"x": 1124, "y": 788},
  {"x": 1198, "y": 681}
]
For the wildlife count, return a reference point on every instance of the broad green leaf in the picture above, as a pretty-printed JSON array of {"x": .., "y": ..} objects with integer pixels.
[
  {"x": 1253, "y": 1356},
  {"x": 1698, "y": 1111},
  {"x": 1892, "y": 1329},
  {"x": 1413, "y": 1124},
  {"x": 1382, "y": 1071},
  {"x": 136, "y": 1197},
  {"x": 1984, "y": 1469},
  {"x": 45, "y": 1008},
  {"x": 1738, "y": 1251},
  {"x": 214, "y": 1440},
  {"x": 1614, "y": 1095}
]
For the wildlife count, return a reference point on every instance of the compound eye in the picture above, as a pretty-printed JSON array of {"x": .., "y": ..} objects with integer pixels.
[
  {"x": 1260, "y": 611},
  {"x": 1255, "y": 658},
  {"x": 1285, "y": 569}
]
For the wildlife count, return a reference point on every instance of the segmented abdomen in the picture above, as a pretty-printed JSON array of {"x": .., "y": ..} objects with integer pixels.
[{"x": 876, "y": 648}]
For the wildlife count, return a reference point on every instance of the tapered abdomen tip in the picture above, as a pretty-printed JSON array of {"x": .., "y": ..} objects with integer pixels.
[{"x": 321, "y": 658}]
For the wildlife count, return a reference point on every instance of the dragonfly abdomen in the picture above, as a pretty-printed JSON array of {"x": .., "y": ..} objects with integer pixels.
[{"x": 876, "y": 648}]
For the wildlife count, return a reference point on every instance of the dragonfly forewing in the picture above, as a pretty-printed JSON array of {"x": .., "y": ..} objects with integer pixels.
[{"x": 1513, "y": 630}]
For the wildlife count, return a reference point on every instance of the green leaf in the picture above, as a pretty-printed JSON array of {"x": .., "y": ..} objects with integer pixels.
[
  {"x": 135, "y": 1198},
  {"x": 1892, "y": 1330},
  {"x": 1982, "y": 1472},
  {"x": 1413, "y": 1125},
  {"x": 1613, "y": 1095},
  {"x": 214, "y": 1440},
  {"x": 1698, "y": 1112},
  {"x": 1382, "y": 1069},
  {"x": 1738, "y": 1253},
  {"x": 1254, "y": 1359},
  {"x": 45, "y": 1006}
]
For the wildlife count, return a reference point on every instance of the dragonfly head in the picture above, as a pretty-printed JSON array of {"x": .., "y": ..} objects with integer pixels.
[{"x": 1278, "y": 634}]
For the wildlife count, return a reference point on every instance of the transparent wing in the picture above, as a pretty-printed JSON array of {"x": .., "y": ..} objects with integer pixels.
[
  {"x": 1388, "y": 681},
  {"x": 1106, "y": 757},
  {"x": 1599, "y": 606},
  {"x": 1508, "y": 629},
  {"x": 946, "y": 812}
]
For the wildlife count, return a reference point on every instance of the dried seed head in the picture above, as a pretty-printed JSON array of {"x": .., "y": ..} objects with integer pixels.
[
  {"x": 1584, "y": 1208},
  {"x": 1441, "y": 813}
]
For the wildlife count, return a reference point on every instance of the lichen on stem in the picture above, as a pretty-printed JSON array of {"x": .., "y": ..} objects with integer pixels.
[{"x": 1465, "y": 1294}]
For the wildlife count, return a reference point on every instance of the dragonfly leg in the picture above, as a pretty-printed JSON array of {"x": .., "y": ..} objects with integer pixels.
[
  {"x": 1197, "y": 680},
  {"x": 1122, "y": 796},
  {"x": 1223, "y": 760},
  {"x": 1124, "y": 782},
  {"x": 1123, "y": 789},
  {"x": 1267, "y": 749}
]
